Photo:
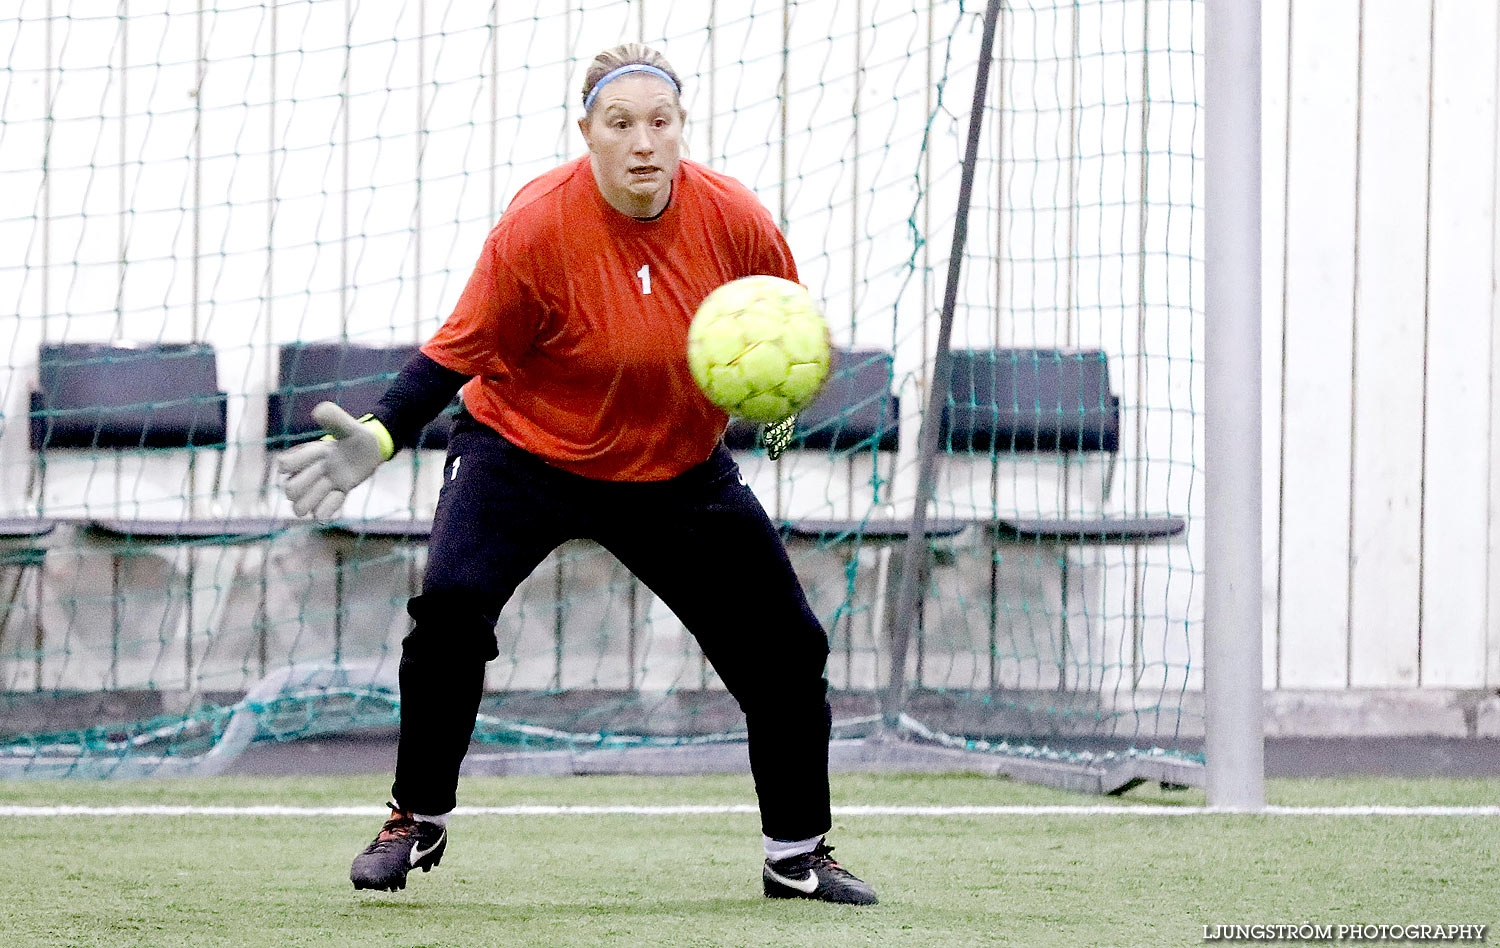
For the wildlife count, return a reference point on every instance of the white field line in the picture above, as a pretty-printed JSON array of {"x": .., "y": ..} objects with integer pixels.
[{"x": 745, "y": 808}]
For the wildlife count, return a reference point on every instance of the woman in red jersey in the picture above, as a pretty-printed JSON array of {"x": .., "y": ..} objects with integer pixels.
[{"x": 581, "y": 420}]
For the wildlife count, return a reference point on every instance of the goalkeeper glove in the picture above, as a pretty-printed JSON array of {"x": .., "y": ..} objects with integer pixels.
[{"x": 321, "y": 473}]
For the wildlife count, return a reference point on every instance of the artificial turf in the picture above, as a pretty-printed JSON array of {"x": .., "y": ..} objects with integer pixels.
[{"x": 693, "y": 880}]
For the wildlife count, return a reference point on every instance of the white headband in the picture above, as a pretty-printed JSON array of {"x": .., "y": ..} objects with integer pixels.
[{"x": 613, "y": 74}]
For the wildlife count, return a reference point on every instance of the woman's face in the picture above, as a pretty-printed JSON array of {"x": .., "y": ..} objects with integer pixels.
[{"x": 634, "y": 134}]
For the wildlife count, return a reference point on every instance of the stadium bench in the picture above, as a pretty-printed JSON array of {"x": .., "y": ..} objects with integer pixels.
[
  {"x": 856, "y": 416},
  {"x": 856, "y": 411},
  {"x": 20, "y": 533},
  {"x": 354, "y": 376},
  {"x": 1005, "y": 402},
  {"x": 1001, "y": 403},
  {"x": 1012, "y": 401},
  {"x": 157, "y": 396}
]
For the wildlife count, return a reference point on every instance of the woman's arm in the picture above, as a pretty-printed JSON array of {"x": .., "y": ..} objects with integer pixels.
[{"x": 416, "y": 396}]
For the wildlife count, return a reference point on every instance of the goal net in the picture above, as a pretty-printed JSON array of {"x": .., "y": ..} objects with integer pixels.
[{"x": 219, "y": 213}]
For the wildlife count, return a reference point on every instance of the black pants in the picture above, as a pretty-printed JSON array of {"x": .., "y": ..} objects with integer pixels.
[{"x": 700, "y": 541}]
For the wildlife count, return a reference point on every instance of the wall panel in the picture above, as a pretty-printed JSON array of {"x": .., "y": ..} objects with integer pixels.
[
  {"x": 1390, "y": 246},
  {"x": 1459, "y": 367},
  {"x": 1313, "y": 613}
]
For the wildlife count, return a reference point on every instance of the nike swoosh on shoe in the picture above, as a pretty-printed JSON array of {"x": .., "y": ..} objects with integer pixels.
[
  {"x": 418, "y": 853},
  {"x": 808, "y": 885}
]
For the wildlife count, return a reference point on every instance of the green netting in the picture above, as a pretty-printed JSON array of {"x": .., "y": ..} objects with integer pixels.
[{"x": 205, "y": 193}]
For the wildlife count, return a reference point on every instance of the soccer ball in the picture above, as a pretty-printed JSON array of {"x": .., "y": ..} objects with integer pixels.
[{"x": 758, "y": 347}]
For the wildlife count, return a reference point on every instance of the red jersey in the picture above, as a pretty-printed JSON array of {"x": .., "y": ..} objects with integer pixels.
[{"x": 574, "y": 323}]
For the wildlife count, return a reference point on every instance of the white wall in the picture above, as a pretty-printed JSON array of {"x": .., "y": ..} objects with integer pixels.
[{"x": 1380, "y": 161}]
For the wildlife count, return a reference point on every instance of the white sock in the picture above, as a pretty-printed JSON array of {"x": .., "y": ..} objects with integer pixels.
[
  {"x": 779, "y": 849},
  {"x": 440, "y": 819}
]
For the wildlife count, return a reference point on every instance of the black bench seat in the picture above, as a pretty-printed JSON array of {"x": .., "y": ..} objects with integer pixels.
[
  {"x": 189, "y": 530},
  {"x": 26, "y": 528},
  {"x": 400, "y": 530},
  {"x": 1120, "y": 531},
  {"x": 873, "y": 530}
]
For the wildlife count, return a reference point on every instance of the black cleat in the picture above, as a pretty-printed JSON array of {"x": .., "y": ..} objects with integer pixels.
[
  {"x": 404, "y": 844},
  {"x": 815, "y": 875}
]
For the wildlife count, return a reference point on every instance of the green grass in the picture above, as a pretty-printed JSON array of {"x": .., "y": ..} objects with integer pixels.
[{"x": 693, "y": 880}]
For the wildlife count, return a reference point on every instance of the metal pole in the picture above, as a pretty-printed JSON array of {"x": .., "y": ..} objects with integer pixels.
[
  {"x": 1235, "y": 738},
  {"x": 904, "y": 616}
]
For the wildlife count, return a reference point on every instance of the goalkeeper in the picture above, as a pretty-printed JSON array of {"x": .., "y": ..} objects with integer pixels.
[{"x": 581, "y": 420}]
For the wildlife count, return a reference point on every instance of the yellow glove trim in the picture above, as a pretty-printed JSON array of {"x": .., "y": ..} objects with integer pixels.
[{"x": 383, "y": 437}]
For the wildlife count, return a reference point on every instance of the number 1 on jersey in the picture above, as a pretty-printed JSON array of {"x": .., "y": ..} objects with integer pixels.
[{"x": 645, "y": 274}]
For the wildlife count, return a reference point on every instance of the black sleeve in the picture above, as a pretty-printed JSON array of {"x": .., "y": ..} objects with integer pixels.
[{"x": 416, "y": 396}]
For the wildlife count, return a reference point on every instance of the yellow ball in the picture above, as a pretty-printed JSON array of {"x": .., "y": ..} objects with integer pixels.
[{"x": 759, "y": 349}]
